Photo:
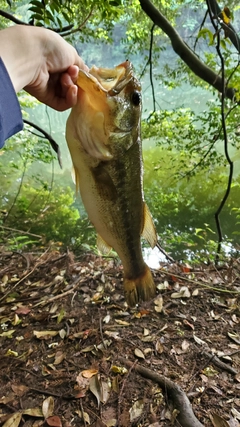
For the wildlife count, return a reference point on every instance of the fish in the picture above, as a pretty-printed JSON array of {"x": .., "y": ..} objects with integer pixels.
[{"x": 103, "y": 134}]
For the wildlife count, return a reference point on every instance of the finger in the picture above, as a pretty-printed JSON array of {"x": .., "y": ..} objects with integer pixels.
[
  {"x": 71, "y": 96},
  {"x": 66, "y": 102},
  {"x": 80, "y": 63}
]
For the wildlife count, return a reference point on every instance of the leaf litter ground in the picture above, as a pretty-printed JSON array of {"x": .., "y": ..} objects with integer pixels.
[{"x": 71, "y": 351}]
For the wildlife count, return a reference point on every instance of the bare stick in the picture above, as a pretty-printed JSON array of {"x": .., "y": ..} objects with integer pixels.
[{"x": 186, "y": 417}]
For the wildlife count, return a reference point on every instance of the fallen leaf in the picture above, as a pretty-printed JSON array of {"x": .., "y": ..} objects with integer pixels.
[
  {"x": 158, "y": 303},
  {"x": 139, "y": 353},
  {"x": 23, "y": 310},
  {"x": 8, "y": 334},
  {"x": 234, "y": 337},
  {"x": 14, "y": 420},
  {"x": 235, "y": 413},
  {"x": 105, "y": 392},
  {"x": 59, "y": 357},
  {"x": 89, "y": 373},
  {"x": 199, "y": 341},
  {"x": 45, "y": 334},
  {"x": 119, "y": 370},
  {"x": 183, "y": 293},
  {"x": 54, "y": 421},
  {"x": 34, "y": 412},
  {"x": 136, "y": 410},
  {"x": 163, "y": 286},
  {"x": 48, "y": 407},
  {"x": 122, "y": 322},
  {"x": 218, "y": 421},
  {"x": 107, "y": 318},
  {"x": 95, "y": 388},
  {"x": 19, "y": 389},
  {"x": 159, "y": 347}
]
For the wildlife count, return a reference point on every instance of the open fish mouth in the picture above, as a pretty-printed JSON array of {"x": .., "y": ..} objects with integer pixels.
[{"x": 113, "y": 80}]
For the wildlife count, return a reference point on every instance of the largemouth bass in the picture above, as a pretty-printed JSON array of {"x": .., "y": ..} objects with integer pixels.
[{"x": 103, "y": 135}]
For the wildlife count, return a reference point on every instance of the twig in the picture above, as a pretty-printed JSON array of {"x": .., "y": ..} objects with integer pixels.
[
  {"x": 101, "y": 331},
  {"x": 80, "y": 26},
  {"x": 19, "y": 189},
  {"x": 201, "y": 26},
  {"x": 13, "y": 18},
  {"x": 82, "y": 412},
  {"x": 53, "y": 143},
  {"x": 23, "y": 278},
  {"x": 131, "y": 367},
  {"x": 20, "y": 231},
  {"x": 204, "y": 285},
  {"x": 217, "y": 362},
  {"x": 56, "y": 297},
  {"x": 169, "y": 258},
  {"x": 185, "y": 417}
]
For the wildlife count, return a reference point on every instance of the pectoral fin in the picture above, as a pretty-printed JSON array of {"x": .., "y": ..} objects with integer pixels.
[
  {"x": 102, "y": 246},
  {"x": 93, "y": 137},
  {"x": 149, "y": 232}
]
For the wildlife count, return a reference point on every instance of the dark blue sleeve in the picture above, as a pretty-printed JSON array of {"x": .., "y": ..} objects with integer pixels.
[{"x": 10, "y": 113}]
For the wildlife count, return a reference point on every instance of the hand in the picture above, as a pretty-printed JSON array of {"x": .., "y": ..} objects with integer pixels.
[{"x": 43, "y": 63}]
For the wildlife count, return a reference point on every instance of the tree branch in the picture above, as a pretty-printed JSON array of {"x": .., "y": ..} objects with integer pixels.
[
  {"x": 13, "y": 18},
  {"x": 53, "y": 143},
  {"x": 186, "y": 54}
]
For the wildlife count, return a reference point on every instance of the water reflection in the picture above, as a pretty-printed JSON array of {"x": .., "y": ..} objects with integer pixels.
[{"x": 153, "y": 257}]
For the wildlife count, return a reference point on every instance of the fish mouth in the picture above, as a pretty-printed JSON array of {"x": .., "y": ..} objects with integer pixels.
[{"x": 113, "y": 80}]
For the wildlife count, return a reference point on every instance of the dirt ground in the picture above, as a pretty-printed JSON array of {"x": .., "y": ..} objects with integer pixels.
[{"x": 73, "y": 354}]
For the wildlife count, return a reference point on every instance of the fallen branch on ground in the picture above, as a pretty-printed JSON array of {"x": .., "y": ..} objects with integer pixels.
[{"x": 186, "y": 417}]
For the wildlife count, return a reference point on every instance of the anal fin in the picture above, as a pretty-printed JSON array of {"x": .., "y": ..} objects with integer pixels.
[
  {"x": 149, "y": 231},
  {"x": 102, "y": 246}
]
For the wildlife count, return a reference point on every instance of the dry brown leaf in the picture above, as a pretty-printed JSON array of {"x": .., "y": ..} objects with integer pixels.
[
  {"x": 45, "y": 334},
  {"x": 19, "y": 389},
  {"x": 139, "y": 353},
  {"x": 34, "y": 412},
  {"x": 59, "y": 357},
  {"x": 158, "y": 304},
  {"x": 136, "y": 410},
  {"x": 48, "y": 407},
  {"x": 14, "y": 420},
  {"x": 95, "y": 388},
  {"x": 218, "y": 421},
  {"x": 159, "y": 347},
  {"x": 89, "y": 373},
  {"x": 183, "y": 293},
  {"x": 119, "y": 370},
  {"x": 54, "y": 421}
]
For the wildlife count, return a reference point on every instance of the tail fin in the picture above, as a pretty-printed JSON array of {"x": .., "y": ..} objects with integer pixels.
[{"x": 139, "y": 288}]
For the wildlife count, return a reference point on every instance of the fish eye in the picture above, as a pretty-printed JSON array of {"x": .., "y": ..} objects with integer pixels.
[{"x": 136, "y": 98}]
